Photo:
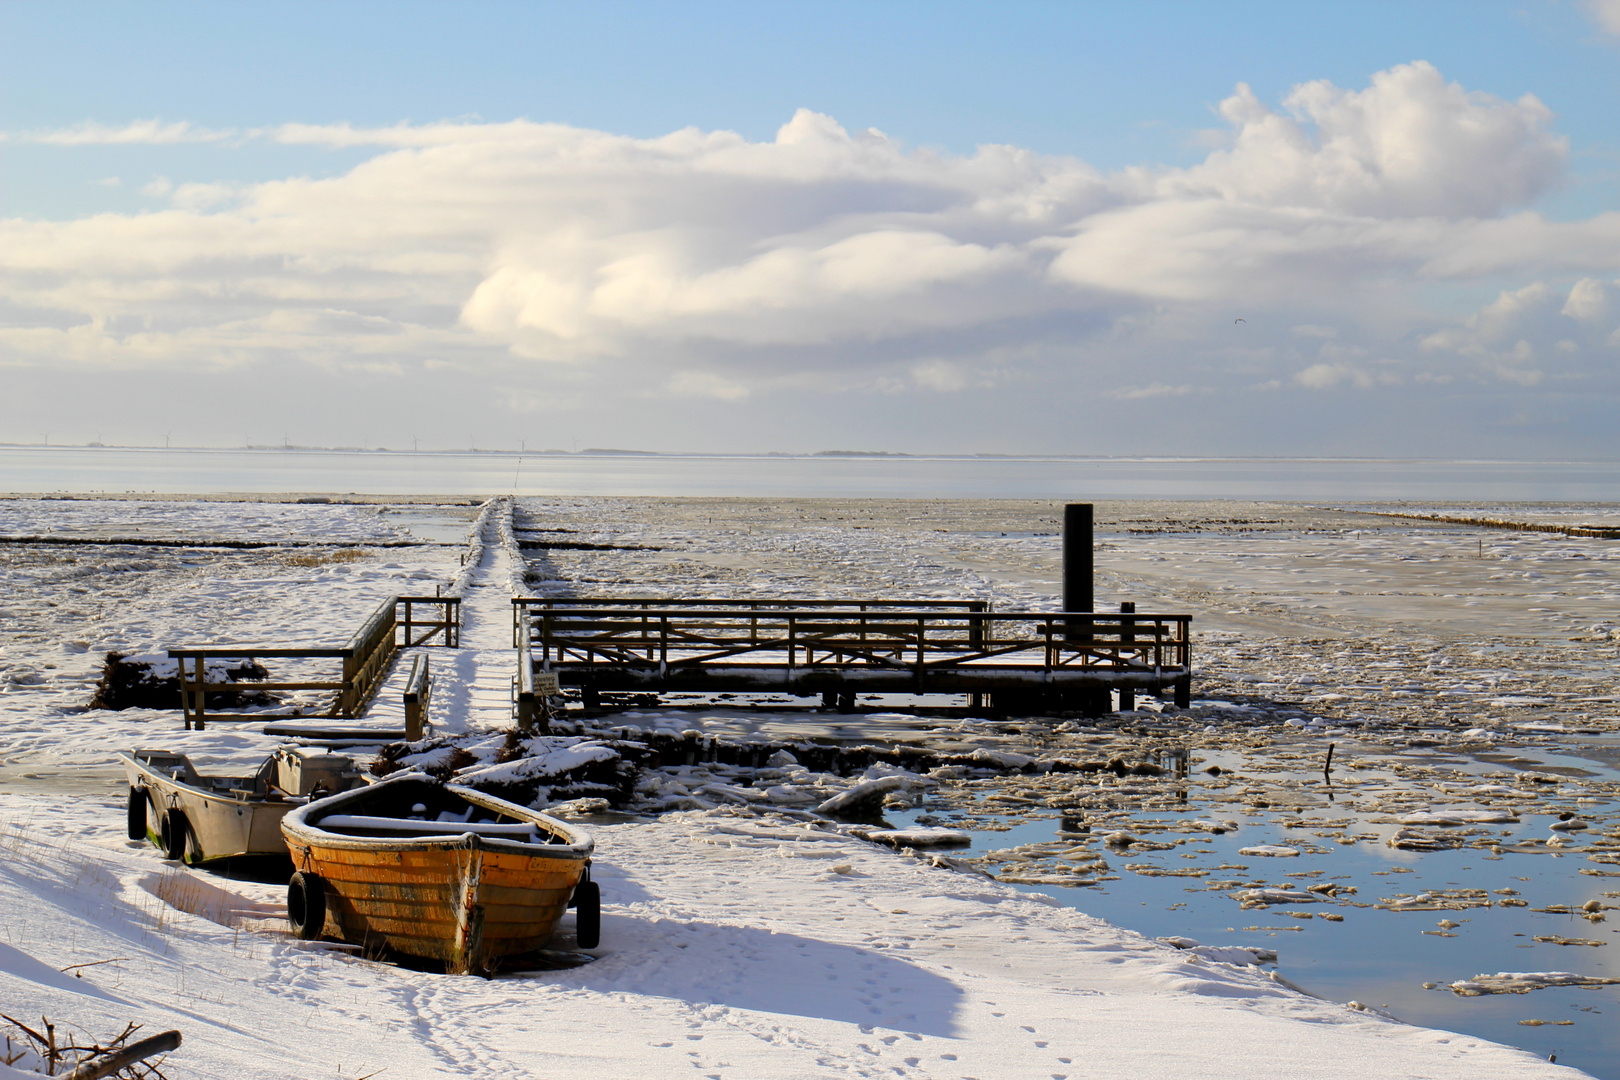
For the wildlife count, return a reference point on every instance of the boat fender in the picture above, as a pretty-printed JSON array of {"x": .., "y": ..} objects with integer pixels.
[
  {"x": 175, "y": 834},
  {"x": 584, "y": 877},
  {"x": 306, "y": 905},
  {"x": 137, "y": 814},
  {"x": 588, "y": 914}
]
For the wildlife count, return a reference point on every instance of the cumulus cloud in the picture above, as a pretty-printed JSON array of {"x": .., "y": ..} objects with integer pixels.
[
  {"x": 1409, "y": 145},
  {"x": 1536, "y": 332},
  {"x": 722, "y": 267}
]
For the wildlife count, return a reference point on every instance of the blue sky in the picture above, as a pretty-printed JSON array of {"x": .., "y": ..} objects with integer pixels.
[{"x": 1401, "y": 349}]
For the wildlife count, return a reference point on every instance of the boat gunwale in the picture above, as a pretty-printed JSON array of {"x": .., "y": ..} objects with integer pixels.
[
  {"x": 296, "y": 828},
  {"x": 162, "y": 781}
]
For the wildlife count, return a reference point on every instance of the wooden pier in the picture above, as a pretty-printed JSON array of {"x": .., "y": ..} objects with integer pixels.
[
  {"x": 399, "y": 622},
  {"x": 839, "y": 648}
]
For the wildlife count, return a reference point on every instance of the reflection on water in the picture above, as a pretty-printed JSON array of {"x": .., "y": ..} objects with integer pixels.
[{"x": 1377, "y": 956}]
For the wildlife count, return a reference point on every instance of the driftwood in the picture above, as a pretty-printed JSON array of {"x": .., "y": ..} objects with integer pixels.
[
  {"x": 97, "y": 1061},
  {"x": 161, "y": 1043}
]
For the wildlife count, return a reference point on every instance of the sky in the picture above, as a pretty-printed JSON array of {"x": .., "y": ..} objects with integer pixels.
[{"x": 1279, "y": 229}]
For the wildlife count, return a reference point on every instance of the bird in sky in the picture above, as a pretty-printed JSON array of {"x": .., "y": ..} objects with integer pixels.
[{"x": 1236, "y": 321}]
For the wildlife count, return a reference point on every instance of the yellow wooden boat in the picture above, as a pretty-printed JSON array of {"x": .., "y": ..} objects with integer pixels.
[
  {"x": 201, "y": 818},
  {"x": 437, "y": 872}
]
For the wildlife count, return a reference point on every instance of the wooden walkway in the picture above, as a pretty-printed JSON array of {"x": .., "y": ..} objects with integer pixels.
[{"x": 839, "y": 648}]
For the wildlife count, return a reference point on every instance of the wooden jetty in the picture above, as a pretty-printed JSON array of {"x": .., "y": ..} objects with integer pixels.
[
  {"x": 399, "y": 622},
  {"x": 838, "y": 648}
]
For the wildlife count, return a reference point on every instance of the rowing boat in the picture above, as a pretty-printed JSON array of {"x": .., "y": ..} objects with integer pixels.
[
  {"x": 202, "y": 818},
  {"x": 436, "y": 872}
]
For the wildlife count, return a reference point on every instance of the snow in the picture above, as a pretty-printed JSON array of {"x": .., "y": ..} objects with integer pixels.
[
  {"x": 862, "y": 795},
  {"x": 1460, "y": 816},
  {"x": 546, "y": 756},
  {"x": 1268, "y": 851},
  {"x": 738, "y": 942},
  {"x": 732, "y": 947}
]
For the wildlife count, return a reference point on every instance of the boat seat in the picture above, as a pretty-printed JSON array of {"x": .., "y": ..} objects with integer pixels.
[{"x": 408, "y": 827}]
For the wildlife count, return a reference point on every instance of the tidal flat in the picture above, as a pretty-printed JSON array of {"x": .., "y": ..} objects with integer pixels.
[
  {"x": 1457, "y": 862},
  {"x": 1463, "y": 676}
]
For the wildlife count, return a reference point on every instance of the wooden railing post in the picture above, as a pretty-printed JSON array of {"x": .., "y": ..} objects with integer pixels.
[
  {"x": 1127, "y": 639},
  {"x": 418, "y": 696}
]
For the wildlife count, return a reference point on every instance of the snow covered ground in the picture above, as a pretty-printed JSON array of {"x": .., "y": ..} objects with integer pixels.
[{"x": 735, "y": 943}]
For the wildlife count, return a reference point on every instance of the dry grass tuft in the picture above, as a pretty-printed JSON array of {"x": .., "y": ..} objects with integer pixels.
[
  {"x": 43, "y": 1048},
  {"x": 325, "y": 558}
]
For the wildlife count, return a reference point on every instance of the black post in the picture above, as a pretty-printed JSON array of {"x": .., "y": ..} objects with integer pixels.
[
  {"x": 1127, "y": 638},
  {"x": 1077, "y": 558},
  {"x": 1077, "y": 590}
]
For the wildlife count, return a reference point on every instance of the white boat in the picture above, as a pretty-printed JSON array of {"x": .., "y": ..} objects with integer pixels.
[{"x": 200, "y": 818}]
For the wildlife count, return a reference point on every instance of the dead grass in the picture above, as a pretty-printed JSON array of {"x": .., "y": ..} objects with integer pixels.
[
  {"x": 58, "y": 1053},
  {"x": 324, "y": 558}
]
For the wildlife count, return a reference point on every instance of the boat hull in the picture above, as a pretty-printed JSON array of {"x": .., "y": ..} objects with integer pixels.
[
  {"x": 467, "y": 901},
  {"x": 224, "y": 823}
]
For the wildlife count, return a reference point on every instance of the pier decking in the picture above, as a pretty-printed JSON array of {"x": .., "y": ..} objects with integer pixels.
[{"x": 838, "y": 648}]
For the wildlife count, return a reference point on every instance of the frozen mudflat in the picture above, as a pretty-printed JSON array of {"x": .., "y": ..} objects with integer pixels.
[{"x": 740, "y": 938}]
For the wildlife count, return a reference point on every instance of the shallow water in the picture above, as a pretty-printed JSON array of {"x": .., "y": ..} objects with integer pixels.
[
  {"x": 116, "y": 469},
  {"x": 1379, "y": 957}
]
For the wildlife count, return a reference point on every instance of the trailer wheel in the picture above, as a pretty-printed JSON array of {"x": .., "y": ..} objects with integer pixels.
[
  {"x": 137, "y": 814},
  {"x": 588, "y": 914},
  {"x": 176, "y": 835},
  {"x": 306, "y": 905}
]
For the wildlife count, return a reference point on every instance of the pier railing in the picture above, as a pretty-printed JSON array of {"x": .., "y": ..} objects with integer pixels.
[
  {"x": 365, "y": 659},
  {"x": 525, "y": 605},
  {"x": 842, "y": 647}
]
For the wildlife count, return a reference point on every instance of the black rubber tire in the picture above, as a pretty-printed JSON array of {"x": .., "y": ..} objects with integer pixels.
[
  {"x": 588, "y": 914},
  {"x": 137, "y": 814},
  {"x": 306, "y": 905},
  {"x": 176, "y": 835}
]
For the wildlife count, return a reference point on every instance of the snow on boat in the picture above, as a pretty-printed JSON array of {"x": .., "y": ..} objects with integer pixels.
[
  {"x": 438, "y": 872},
  {"x": 201, "y": 818}
]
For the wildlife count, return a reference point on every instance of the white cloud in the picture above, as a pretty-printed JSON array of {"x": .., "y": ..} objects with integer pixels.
[
  {"x": 717, "y": 268},
  {"x": 1588, "y": 301},
  {"x": 1536, "y": 332},
  {"x": 1329, "y": 376},
  {"x": 152, "y": 132},
  {"x": 1606, "y": 13},
  {"x": 1156, "y": 390},
  {"x": 1410, "y": 145}
]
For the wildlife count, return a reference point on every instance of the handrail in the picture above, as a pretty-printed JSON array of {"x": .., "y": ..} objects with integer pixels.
[
  {"x": 579, "y": 603},
  {"x": 672, "y": 638},
  {"x": 526, "y": 706},
  {"x": 418, "y": 694},
  {"x": 367, "y": 657}
]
